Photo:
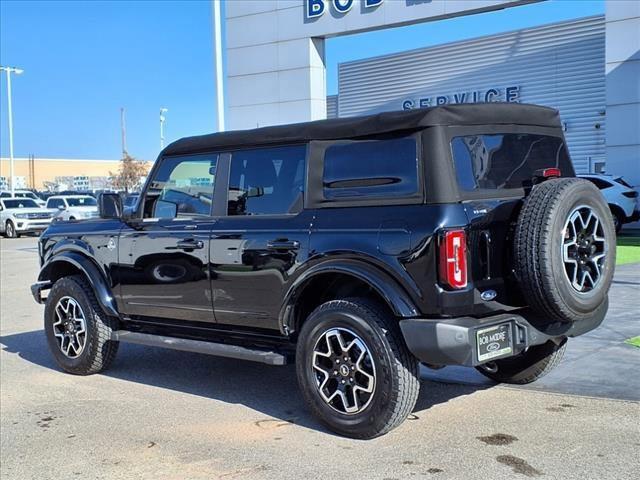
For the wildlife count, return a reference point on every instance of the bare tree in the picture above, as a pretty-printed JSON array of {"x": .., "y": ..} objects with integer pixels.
[{"x": 129, "y": 173}]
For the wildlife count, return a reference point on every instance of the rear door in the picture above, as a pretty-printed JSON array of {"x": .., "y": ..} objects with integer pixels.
[
  {"x": 163, "y": 267},
  {"x": 262, "y": 237},
  {"x": 494, "y": 169}
]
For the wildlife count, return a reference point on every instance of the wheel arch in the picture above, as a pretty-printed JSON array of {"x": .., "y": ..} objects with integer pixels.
[
  {"x": 73, "y": 263},
  {"x": 386, "y": 289}
]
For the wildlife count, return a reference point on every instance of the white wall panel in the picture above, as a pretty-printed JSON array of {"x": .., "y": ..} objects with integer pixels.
[{"x": 559, "y": 65}]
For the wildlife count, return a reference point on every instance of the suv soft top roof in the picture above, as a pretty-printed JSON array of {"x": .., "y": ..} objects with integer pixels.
[{"x": 381, "y": 123}]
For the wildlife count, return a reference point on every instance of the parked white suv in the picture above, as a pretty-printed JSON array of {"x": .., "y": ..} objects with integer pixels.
[
  {"x": 73, "y": 207},
  {"x": 23, "y": 215},
  {"x": 621, "y": 197},
  {"x": 23, "y": 194}
]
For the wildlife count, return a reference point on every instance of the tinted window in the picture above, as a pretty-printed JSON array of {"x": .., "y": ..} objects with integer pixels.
[
  {"x": 598, "y": 182},
  {"x": 55, "y": 203},
  {"x": 22, "y": 203},
  {"x": 505, "y": 161},
  {"x": 183, "y": 185},
  {"x": 376, "y": 168},
  {"x": 267, "y": 181},
  {"x": 82, "y": 202}
]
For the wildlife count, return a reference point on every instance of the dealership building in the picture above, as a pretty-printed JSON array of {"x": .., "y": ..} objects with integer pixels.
[{"x": 587, "y": 68}]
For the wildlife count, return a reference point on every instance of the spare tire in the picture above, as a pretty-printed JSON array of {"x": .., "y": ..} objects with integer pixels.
[{"x": 564, "y": 250}]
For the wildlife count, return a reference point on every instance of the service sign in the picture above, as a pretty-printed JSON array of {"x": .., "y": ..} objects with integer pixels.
[
  {"x": 317, "y": 8},
  {"x": 509, "y": 94}
]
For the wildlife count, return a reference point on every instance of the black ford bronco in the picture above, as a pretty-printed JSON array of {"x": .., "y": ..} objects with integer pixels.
[{"x": 359, "y": 247}]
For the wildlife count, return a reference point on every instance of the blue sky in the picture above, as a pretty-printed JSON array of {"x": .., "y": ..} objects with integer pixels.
[{"x": 85, "y": 60}]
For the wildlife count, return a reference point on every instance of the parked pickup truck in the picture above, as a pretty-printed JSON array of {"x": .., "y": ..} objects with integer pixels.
[{"x": 356, "y": 247}]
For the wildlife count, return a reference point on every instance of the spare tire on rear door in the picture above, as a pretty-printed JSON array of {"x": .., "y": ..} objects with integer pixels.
[{"x": 565, "y": 247}]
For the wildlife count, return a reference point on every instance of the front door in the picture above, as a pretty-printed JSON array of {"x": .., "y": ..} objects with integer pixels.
[
  {"x": 163, "y": 265},
  {"x": 263, "y": 238}
]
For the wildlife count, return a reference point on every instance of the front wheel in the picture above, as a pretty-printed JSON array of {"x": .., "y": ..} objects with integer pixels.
[
  {"x": 355, "y": 371},
  {"x": 77, "y": 330},
  {"x": 527, "y": 367},
  {"x": 10, "y": 230}
]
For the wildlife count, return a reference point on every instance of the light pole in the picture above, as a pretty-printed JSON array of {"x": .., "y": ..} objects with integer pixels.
[
  {"x": 162, "y": 119},
  {"x": 9, "y": 71}
]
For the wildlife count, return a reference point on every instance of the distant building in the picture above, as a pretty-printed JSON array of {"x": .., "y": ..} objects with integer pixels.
[{"x": 56, "y": 174}]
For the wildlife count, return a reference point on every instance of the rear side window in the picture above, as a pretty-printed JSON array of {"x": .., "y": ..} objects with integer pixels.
[
  {"x": 506, "y": 160},
  {"x": 267, "y": 181},
  {"x": 598, "y": 182},
  {"x": 371, "y": 168}
]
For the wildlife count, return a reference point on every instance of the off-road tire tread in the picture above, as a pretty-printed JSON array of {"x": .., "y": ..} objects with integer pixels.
[
  {"x": 405, "y": 368},
  {"x": 531, "y": 249},
  {"x": 101, "y": 348}
]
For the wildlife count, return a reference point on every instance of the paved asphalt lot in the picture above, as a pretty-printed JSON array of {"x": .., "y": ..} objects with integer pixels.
[{"x": 172, "y": 415}]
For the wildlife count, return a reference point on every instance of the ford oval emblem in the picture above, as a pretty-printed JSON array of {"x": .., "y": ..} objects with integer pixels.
[
  {"x": 492, "y": 347},
  {"x": 488, "y": 295}
]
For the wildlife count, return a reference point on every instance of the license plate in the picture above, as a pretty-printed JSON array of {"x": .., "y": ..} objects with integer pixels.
[{"x": 494, "y": 342}]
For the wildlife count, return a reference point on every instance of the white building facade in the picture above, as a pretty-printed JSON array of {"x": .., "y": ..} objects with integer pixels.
[
  {"x": 589, "y": 69},
  {"x": 560, "y": 65}
]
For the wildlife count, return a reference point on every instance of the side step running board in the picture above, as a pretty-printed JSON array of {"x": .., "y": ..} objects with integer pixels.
[{"x": 199, "y": 346}]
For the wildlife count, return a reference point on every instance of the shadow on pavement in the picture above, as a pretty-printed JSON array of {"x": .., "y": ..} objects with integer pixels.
[{"x": 266, "y": 389}]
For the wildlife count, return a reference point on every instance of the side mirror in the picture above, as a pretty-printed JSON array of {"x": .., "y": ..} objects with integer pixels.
[
  {"x": 255, "y": 192},
  {"x": 164, "y": 209},
  {"x": 110, "y": 205},
  {"x": 60, "y": 207}
]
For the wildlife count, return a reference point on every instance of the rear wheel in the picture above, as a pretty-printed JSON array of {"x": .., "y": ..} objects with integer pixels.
[
  {"x": 527, "y": 367},
  {"x": 77, "y": 330},
  {"x": 354, "y": 369},
  {"x": 618, "y": 220}
]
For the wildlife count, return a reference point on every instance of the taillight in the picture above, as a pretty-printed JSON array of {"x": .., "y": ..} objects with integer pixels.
[
  {"x": 453, "y": 259},
  {"x": 551, "y": 172}
]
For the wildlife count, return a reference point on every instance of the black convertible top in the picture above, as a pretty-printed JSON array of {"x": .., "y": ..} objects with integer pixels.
[{"x": 381, "y": 123}]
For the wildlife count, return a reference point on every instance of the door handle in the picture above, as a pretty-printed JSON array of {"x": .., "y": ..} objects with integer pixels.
[
  {"x": 190, "y": 244},
  {"x": 283, "y": 245}
]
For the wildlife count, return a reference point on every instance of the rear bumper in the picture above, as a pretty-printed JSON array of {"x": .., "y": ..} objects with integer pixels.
[{"x": 452, "y": 341}]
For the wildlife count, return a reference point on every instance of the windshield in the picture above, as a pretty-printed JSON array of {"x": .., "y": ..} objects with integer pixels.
[
  {"x": 26, "y": 195},
  {"x": 81, "y": 202},
  {"x": 22, "y": 203}
]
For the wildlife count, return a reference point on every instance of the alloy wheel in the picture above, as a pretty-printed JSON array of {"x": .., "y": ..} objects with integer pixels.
[
  {"x": 70, "y": 327},
  {"x": 344, "y": 371},
  {"x": 584, "y": 249}
]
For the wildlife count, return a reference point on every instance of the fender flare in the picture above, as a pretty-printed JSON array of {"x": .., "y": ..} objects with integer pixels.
[
  {"x": 92, "y": 273},
  {"x": 389, "y": 289}
]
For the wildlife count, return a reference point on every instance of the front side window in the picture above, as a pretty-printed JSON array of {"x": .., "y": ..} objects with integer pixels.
[
  {"x": 182, "y": 187},
  {"x": 371, "y": 168},
  {"x": 506, "y": 160},
  {"x": 81, "y": 202},
  {"x": 267, "y": 181},
  {"x": 55, "y": 203}
]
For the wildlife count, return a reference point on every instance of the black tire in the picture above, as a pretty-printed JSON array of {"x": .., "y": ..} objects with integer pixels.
[
  {"x": 395, "y": 368},
  {"x": 99, "y": 350},
  {"x": 539, "y": 248},
  {"x": 527, "y": 367},
  {"x": 10, "y": 230},
  {"x": 618, "y": 220}
]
